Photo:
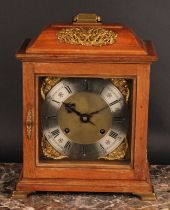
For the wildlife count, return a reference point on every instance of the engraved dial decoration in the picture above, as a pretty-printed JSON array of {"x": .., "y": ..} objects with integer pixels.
[{"x": 84, "y": 118}]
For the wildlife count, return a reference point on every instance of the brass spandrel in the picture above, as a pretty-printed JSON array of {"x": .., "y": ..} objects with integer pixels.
[
  {"x": 49, "y": 151},
  {"x": 47, "y": 84},
  {"x": 119, "y": 153}
]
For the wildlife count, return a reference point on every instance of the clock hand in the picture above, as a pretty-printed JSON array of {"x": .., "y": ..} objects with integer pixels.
[
  {"x": 86, "y": 119},
  {"x": 70, "y": 108},
  {"x": 95, "y": 112},
  {"x": 83, "y": 117},
  {"x": 91, "y": 122},
  {"x": 105, "y": 107}
]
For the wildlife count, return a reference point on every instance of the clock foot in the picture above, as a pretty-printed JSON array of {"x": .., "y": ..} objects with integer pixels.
[
  {"x": 146, "y": 196},
  {"x": 20, "y": 194}
]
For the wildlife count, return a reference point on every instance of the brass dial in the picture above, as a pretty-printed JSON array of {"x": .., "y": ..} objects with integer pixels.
[{"x": 84, "y": 132}]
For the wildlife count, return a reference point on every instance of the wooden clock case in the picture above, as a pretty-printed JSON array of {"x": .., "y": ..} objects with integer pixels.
[{"x": 128, "y": 57}]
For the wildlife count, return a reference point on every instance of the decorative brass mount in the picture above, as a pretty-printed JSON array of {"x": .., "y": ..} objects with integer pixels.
[
  {"x": 146, "y": 196},
  {"x": 87, "y": 36},
  {"x": 87, "y": 18},
  {"x": 20, "y": 194},
  {"x": 29, "y": 123}
]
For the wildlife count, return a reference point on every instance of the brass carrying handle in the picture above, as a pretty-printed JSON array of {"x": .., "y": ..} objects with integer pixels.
[
  {"x": 29, "y": 124},
  {"x": 87, "y": 18}
]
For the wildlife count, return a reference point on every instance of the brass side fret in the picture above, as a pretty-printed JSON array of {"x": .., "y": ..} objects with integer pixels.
[{"x": 29, "y": 124}]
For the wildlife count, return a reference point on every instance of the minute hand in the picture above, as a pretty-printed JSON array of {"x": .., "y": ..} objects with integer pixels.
[{"x": 92, "y": 113}]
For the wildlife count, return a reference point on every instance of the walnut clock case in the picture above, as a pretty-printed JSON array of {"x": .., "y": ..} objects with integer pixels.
[{"x": 85, "y": 109}]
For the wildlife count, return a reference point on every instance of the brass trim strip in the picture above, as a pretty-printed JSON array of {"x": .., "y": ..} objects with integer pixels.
[{"x": 29, "y": 124}]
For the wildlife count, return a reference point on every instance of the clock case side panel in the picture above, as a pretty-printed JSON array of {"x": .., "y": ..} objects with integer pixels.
[
  {"x": 28, "y": 120},
  {"x": 141, "y": 121}
]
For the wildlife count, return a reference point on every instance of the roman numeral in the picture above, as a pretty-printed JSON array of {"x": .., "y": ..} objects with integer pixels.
[
  {"x": 55, "y": 133},
  {"x": 68, "y": 89},
  {"x": 101, "y": 91},
  {"x": 114, "y": 102},
  {"x": 84, "y": 150},
  {"x": 86, "y": 85},
  {"x": 113, "y": 134},
  {"x": 56, "y": 101},
  {"x": 67, "y": 145},
  {"x": 101, "y": 146},
  {"x": 119, "y": 119},
  {"x": 53, "y": 117}
]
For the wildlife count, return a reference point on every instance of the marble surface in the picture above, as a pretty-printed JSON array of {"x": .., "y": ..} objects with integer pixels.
[{"x": 9, "y": 173}]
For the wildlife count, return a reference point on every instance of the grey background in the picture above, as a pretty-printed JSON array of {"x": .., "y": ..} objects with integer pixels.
[{"x": 20, "y": 19}]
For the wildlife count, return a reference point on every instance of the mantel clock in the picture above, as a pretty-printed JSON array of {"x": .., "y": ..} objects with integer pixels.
[{"x": 85, "y": 109}]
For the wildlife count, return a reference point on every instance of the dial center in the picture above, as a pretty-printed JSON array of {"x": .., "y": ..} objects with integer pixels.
[{"x": 85, "y": 118}]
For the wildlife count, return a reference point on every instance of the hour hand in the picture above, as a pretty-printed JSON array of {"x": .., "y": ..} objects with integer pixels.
[
  {"x": 71, "y": 108},
  {"x": 83, "y": 117}
]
